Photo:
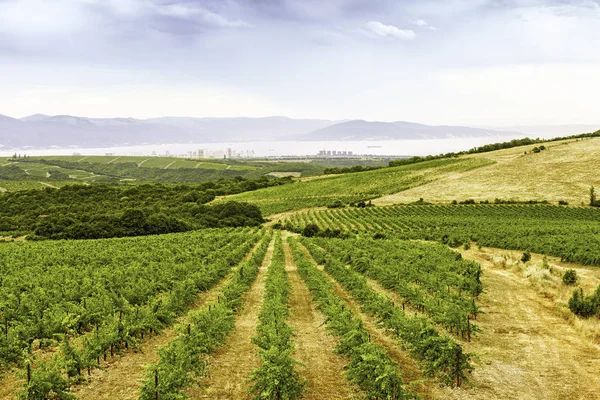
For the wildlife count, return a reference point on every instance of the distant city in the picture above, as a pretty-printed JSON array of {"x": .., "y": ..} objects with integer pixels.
[{"x": 229, "y": 153}]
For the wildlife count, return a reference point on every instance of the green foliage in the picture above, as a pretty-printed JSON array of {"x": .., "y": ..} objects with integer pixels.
[
  {"x": 310, "y": 230},
  {"x": 102, "y": 211},
  {"x": 354, "y": 188},
  {"x": 277, "y": 377},
  {"x": 350, "y": 170},
  {"x": 369, "y": 366},
  {"x": 570, "y": 277},
  {"x": 336, "y": 204},
  {"x": 428, "y": 276},
  {"x": 52, "y": 289},
  {"x": 46, "y": 383},
  {"x": 570, "y": 233},
  {"x": 584, "y": 306},
  {"x": 181, "y": 362},
  {"x": 593, "y": 201}
]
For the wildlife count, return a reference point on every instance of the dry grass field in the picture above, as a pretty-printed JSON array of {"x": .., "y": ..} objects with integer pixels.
[{"x": 564, "y": 171}]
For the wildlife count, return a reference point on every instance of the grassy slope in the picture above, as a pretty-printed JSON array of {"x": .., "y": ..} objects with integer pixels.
[
  {"x": 354, "y": 187},
  {"x": 565, "y": 171}
]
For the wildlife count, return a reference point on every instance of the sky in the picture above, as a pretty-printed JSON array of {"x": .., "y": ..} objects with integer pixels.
[{"x": 475, "y": 62}]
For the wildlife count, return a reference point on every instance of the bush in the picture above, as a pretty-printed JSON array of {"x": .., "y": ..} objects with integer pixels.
[
  {"x": 467, "y": 245},
  {"x": 570, "y": 277},
  {"x": 581, "y": 305},
  {"x": 563, "y": 203},
  {"x": 336, "y": 204},
  {"x": 310, "y": 230},
  {"x": 526, "y": 257}
]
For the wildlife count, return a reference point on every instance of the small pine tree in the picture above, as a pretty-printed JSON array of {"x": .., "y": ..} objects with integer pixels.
[
  {"x": 570, "y": 277},
  {"x": 593, "y": 201}
]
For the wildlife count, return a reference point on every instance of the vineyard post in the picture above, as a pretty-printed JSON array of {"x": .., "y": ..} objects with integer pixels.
[
  {"x": 468, "y": 328},
  {"x": 156, "y": 384},
  {"x": 189, "y": 329},
  {"x": 28, "y": 373},
  {"x": 458, "y": 354}
]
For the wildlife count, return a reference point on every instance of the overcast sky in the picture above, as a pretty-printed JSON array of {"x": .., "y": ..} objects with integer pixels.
[{"x": 478, "y": 62}]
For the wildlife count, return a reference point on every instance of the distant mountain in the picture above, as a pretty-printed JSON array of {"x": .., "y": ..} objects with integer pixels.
[
  {"x": 400, "y": 130},
  {"x": 548, "y": 131},
  {"x": 44, "y": 131}
]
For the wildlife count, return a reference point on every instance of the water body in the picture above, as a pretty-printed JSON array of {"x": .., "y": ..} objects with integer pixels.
[{"x": 282, "y": 148}]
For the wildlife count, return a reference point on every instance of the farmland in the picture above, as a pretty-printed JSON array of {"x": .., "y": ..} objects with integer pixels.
[
  {"x": 355, "y": 299},
  {"x": 357, "y": 187}
]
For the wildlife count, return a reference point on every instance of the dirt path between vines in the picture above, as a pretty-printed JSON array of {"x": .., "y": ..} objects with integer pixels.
[
  {"x": 411, "y": 374},
  {"x": 121, "y": 378},
  {"x": 526, "y": 350},
  {"x": 314, "y": 346},
  {"x": 231, "y": 366}
]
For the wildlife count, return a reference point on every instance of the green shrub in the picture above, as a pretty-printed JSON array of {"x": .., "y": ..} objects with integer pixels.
[
  {"x": 570, "y": 277},
  {"x": 310, "y": 230},
  {"x": 581, "y": 305},
  {"x": 526, "y": 257},
  {"x": 336, "y": 204}
]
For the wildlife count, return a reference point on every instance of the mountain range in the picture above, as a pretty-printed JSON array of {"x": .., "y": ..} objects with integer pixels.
[{"x": 44, "y": 131}]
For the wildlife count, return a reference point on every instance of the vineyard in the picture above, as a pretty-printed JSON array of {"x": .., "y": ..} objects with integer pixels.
[
  {"x": 337, "y": 297},
  {"x": 572, "y": 234},
  {"x": 355, "y": 187}
]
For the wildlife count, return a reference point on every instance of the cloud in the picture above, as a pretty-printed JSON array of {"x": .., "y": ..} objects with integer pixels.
[
  {"x": 424, "y": 24},
  {"x": 391, "y": 31},
  {"x": 196, "y": 13}
]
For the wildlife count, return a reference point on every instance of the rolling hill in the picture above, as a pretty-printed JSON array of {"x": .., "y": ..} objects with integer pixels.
[{"x": 564, "y": 171}]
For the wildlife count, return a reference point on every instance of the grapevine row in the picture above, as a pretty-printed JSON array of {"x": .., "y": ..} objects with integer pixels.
[
  {"x": 567, "y": 232},
  {"x": 277, "y": 376},
  {"x": 181, "y": 362},
  {"x": 369, "y": 365},
  {"x": 428, "y": 276},
  {"x": 440, "y": 355}
]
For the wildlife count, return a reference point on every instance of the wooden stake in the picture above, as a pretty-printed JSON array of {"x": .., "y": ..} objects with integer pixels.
[{"x": 156, "y": 385}]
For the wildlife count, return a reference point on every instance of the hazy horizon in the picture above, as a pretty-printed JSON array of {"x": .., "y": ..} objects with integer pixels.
[{"x": 473, "y": 63}]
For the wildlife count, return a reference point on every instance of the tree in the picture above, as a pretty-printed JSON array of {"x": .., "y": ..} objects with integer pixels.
[
  {"x": 310, "y": 230},
  {"x": 570, "y": 277},
  {"x": 593, "y": 201}
]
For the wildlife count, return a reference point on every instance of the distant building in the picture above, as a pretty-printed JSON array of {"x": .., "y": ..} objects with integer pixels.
[{"x": 201, "y": 153}]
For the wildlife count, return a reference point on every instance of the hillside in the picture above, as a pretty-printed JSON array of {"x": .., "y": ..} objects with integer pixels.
[
  {"x": 352, "y": 188},
  {"x": 564, "y": 171}
]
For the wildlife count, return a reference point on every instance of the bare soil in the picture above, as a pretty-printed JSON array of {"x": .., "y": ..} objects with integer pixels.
[
  {"x": 314, "y": 346},
  {"x": 122, "y": 375},
  {"x": 527, "y": 350},
  {"x": 411, "y": 374},
  {"x": 231, "y": 367}
]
